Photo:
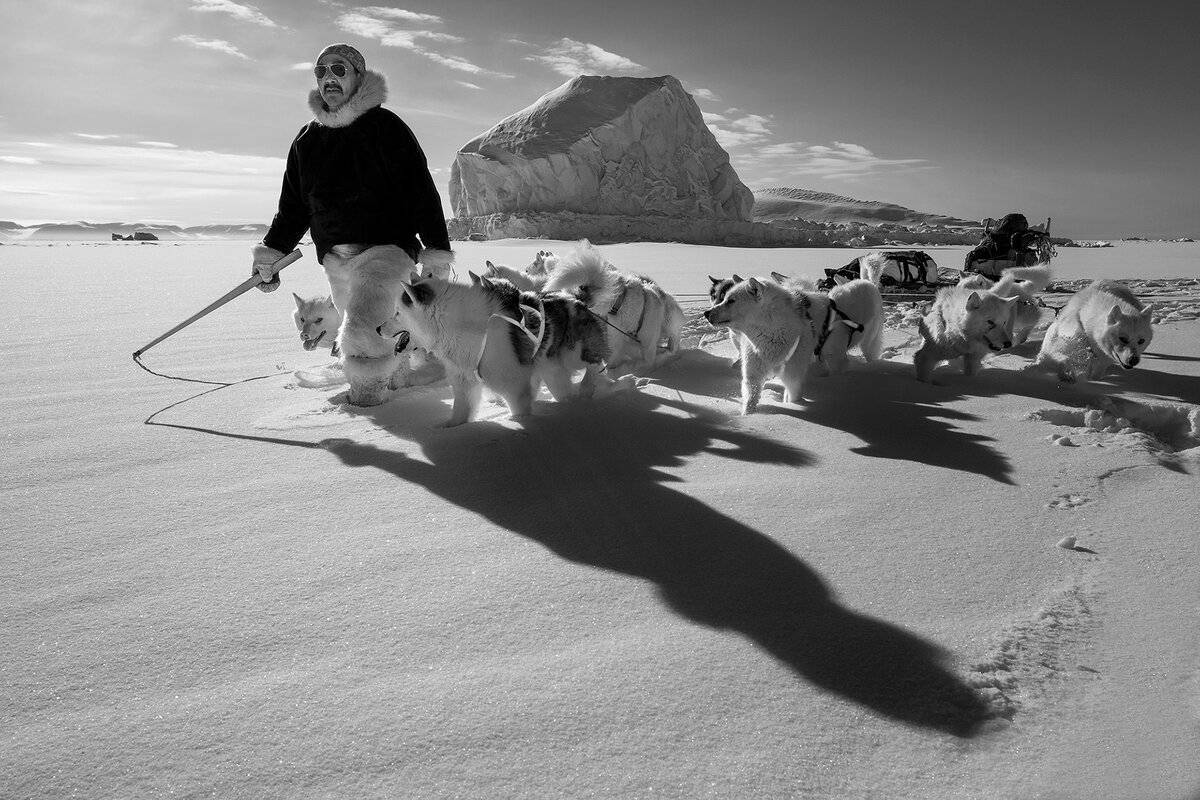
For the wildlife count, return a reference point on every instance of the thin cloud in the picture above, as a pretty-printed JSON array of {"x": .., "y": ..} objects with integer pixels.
[
  {"x": 98, "y": 137},
  {"x": 220, "y": 45},
  {"x": 25, "y": 160},
  {"x": 379, "y": 23},
  {"x": 400, "y": 13},
  {"x": 571, "y": 58},
  {"x": 164, "y": 145},
  {"x": 838, "y": 160},
  {"x": 303, "y": 66},
  {"x": 77, "y": 178},
  {"x": 705, "y": 95},
  {"x": 469, "y": 85},
  {"x": 736, "y": 129},
  {"x": 239, "y": 12}
]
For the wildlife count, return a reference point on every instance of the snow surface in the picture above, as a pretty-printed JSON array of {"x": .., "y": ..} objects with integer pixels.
[{"x": 268, "y": 594}]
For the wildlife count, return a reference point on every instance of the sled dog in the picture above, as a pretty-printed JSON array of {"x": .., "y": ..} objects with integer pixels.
[
  {"x": 1103, "y": 325},
  {"x": 1023, "y": 284},
  {"x": 366, "y": 286},
  {"x": 963, "y": 322},
  {"x": 317, "y": 322},
  {"x": 849, "y": 315},
  {"x": 523, "y": 280},
  {"x": 716, "y": 293},
  {"x": 477, "y": 332},
  {"x": 777, "y": 336},
  {"x": 638, "y": 312}
]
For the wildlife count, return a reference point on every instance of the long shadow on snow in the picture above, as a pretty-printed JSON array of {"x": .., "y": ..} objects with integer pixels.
[
  {"x": 587, "y": 482},
  {"x": 895, "y": 415}
]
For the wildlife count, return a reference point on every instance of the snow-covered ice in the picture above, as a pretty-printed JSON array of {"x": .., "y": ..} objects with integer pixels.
[{"x": 267, "y": 593}]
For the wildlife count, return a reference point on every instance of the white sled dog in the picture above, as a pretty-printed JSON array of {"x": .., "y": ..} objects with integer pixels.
[
  {"x": 366, "y": 286},
  {"x": 638, "y": 312},
  {"x": 849, "y": 315},
  {"x": 317, "y": 321},
  {"x": 777, "y": 336},
  {"x": 1022, "y": 284},
  {"x": 476, "y": 332},
  {"x": 522, "y": 279},
  {"x": 964, "y": 322},
  {"x": 1103, "y": 325}
]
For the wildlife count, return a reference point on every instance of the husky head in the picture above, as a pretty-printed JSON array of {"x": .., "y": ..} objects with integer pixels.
[
  {"x": 317, "y": 321},
  {"x": 989, "y": 320},
  {"x": 751, "y": 300},
  {"x": 1126, "y": 336},
  {"x": 721, "y": 286}
]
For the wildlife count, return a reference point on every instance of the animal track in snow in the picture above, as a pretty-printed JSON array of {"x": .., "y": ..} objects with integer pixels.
[
  {"x": 1067, "y": 502},
  {"x": 1159, "y": 427}
]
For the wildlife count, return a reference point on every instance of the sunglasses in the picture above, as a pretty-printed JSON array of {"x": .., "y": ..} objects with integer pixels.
[{"x": 339, "y": 70}]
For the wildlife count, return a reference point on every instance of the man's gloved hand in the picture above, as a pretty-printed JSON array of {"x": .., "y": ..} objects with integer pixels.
[{"x": 263, "y": 266}]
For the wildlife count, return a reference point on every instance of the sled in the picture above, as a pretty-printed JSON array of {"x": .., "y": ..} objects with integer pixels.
[
  {"x": 910, "y": 270},
  {"x": 1009, "y": 242}
]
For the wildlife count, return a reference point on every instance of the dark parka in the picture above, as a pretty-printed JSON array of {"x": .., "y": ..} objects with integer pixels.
[{"x": 356, "y": 175}]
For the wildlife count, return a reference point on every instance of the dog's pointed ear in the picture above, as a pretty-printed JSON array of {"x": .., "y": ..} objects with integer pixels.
[
  {"x": 1114, "y": 314},
  {"x": 974, "y": 301},
  {"x": 487, "y": 284},
  {"x": 475, "y": 278},
  {"x": 299, "y": 300},
  {"x": 1147, "y": 311},
  {"x": 737, "y": 278},
  {"x": 755, "y": 286},
  {"x": 780, "y": 277},
  {"x": 715, "y": 281}
]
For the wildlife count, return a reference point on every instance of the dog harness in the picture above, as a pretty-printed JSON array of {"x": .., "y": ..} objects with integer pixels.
[
  {"x": 537, "y": 340},
  {"x": 830, "y": 323}
]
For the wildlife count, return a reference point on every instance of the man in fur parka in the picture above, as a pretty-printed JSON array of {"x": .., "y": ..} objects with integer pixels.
[
  {"x": 357, "y": 179},
  {"x": 356, "y": 175}
]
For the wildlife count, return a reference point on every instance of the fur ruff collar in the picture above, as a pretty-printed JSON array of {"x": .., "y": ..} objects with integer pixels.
[{"x": 371, "y": 92}]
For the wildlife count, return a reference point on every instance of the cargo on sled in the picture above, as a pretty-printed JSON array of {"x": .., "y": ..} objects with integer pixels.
[
  {"x": 890, "y": 270},
  {"x": 1009, "y": 242}
]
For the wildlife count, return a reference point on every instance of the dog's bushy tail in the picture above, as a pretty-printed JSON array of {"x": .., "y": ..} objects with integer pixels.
[
  {"x": 1036, "y": 279},
  {"x": 585, "y": 274}
]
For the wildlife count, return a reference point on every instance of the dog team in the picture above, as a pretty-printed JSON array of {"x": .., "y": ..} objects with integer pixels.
[{"x": 511, "y": 330}]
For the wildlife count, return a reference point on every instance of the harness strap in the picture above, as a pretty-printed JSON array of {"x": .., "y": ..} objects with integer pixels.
[
  {"x": 828, "y": 325},
  {"x": 537, "y": 340}
]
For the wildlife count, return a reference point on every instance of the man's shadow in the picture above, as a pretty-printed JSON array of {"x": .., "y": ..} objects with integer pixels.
[{"x": 592, "y": 483}]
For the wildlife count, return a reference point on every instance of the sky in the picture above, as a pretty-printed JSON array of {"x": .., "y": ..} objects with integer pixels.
[{"x": 182, "y": 111}]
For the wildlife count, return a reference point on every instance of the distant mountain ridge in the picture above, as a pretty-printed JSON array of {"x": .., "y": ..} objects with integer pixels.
[
  {"x": 784, "y": 202},
  {"x": 102, "y": 231}
]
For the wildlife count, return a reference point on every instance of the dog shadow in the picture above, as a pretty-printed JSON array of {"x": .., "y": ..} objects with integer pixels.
[
  {"x": 592, "y": 484},
  {"x": 890, "y": 412}
]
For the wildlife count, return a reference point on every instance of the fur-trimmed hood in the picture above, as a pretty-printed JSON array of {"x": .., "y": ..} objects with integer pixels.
[{"x": 371, "y": 92}]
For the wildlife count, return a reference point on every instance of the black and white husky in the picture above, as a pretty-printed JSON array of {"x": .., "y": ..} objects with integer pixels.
[{"x": 478, "y": 333}]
